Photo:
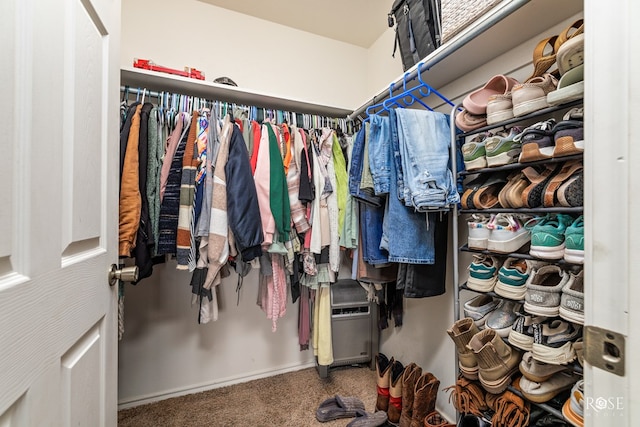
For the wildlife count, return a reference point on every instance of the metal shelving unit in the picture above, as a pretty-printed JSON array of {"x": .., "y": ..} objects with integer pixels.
[{"x": 575, "y": 367}]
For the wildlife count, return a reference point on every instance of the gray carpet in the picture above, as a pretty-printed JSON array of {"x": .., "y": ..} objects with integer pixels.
[{"x": 283, "y": 400}]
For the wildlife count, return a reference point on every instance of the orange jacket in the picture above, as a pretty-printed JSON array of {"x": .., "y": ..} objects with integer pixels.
[{"x": 130, "y": 199}]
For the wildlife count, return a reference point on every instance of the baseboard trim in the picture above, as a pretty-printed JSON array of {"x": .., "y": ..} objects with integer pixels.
[{"x": 223, "y": 382}]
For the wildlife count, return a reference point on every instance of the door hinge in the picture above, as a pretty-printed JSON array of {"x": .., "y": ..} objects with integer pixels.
[{"x": 604, "y": 349}]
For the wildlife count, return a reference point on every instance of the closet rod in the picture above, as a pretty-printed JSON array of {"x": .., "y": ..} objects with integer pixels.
[
  {"x": 152, "y": 94},
  {"x": 442, "y": 52}
]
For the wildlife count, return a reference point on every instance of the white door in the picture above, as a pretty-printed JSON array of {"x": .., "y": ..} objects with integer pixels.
[
  {"x": 58, "y": 211},
  {"x": 612, "y": 245}
]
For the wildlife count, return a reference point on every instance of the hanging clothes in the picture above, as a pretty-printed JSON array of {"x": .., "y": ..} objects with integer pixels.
[
  {"x": 218, "y": 243},
  {"x": 184, "y": 243},
  {"x": 144, "y": 238},
  {"x": 170, "y": 205},
  {"x": 278, "y": 191},
  {"x": 154, "y": 164},
  {"x": 298, "y": 216},
  {"x": 130, "y": 199}
]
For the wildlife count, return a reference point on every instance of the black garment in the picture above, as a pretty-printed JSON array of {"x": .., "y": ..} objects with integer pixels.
[
  {"x": 395, "y": 308},
  {"x": 144, "y": 238},
  {"x": 428, "y": 280},
  {"x": 170, "y": 206},
  {"x": 242, "y": 199},
  {"x": 306, "y": 190},
  {"x": 294, "y": 279},
  {"x": 124, "y": 135}
]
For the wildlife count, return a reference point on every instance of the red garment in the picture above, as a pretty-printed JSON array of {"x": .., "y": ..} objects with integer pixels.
[
  {"x": 287, "y": 148},
  {"x": 255, "y": 128}
]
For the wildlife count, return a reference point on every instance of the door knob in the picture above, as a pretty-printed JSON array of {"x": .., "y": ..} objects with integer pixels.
[{"x": 126, "y": 274}]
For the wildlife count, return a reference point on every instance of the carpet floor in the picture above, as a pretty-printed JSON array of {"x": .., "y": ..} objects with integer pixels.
[{"x": 289, "y": 399}]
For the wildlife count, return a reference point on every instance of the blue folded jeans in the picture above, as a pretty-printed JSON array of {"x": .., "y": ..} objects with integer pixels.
[
  {"x": 424, "y": 140},
  {"x": 355, "y": 173},
  {"x": 379, "y": 154},
  {"x": 408, "y": 235}
]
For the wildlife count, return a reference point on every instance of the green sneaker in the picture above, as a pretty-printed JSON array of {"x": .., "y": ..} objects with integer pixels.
[
  {"x": 547, "y": 235},
  {"x": 503, "y": 149},
  {"x": 574, "y": 242},
  {"x": 473, "y": 152}
]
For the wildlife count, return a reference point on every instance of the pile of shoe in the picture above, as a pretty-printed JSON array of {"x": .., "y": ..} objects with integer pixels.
[
  {"x": 547, "y": 185},
  {"x": 407, "y": 395},
  {"x": 503, "y": 97}
]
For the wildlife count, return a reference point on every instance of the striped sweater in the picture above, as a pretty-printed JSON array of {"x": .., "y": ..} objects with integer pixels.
[
  {"x": 190, "y": 162},
  {"x": 218, "y": 243}
]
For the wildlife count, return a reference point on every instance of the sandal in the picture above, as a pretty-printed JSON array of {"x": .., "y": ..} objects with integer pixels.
[
  {"x": 476, "y": 101},
  {"x": 550, "y": 198},
  {"x": 466, "y": 200},
  {"x": 467, "y": 122},
  {"x": 368, "y": 419},
  {"x": 338, "y": 407},
  {"x": 542, "y": 62},
  {"x": 532, "y": 194},
  {"x": 569, "y": 47},
  {"x": 486, "y": 196},
  {"x": 511, "y": 194},
  {"x": 569, "y": 33}
]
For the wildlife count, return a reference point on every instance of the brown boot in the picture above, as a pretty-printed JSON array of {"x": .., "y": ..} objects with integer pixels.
[
  {"x": 383, "y": 370},
  {"x": 411, "y": 374},
  {"x": 497, "y": 362},
  {"x": 461, "y": 333},
  {"x": 395, "y": 393},
  {"x": 424, "y": 398}
]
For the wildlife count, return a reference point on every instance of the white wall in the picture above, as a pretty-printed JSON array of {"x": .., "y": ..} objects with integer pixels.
[
  {"x": 382, "y": 68},
  {"x": 164, "y": 351},
  {"x": 255, "y": 53}
]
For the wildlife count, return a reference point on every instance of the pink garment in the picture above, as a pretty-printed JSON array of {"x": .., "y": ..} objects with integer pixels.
[
  {"x": 277, "y": 293},
  {"x": 272, "y": 292},
  {"x": 172, "y": 144},
  {"x": 262, "y": 178}
]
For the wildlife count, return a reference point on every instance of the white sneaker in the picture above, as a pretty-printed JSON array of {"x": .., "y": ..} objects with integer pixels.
[
  {"x": 478, "y": 231},
  {"x": 483, "y": 273},
  {"x": 507, "y": 234}
]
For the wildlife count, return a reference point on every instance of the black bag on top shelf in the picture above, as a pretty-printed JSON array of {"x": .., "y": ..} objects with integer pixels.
[{"x": 418, "y": 29}]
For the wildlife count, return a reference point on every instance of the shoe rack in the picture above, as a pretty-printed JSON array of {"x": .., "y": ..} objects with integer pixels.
[{"x": 456, "y": 142}]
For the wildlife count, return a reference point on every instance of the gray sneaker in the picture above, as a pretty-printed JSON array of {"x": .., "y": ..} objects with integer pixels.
[
  {"x": 572, "y": 300},
  {"x": 544, "y": 289}
]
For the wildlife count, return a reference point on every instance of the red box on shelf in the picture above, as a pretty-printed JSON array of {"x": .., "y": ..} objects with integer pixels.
[{"x": 147, "y": 64}]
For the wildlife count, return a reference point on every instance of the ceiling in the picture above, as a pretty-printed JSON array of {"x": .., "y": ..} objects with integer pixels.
[{"x": 357, "y": 22}]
